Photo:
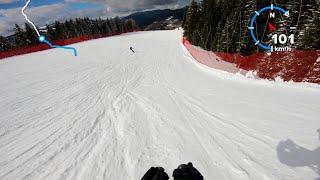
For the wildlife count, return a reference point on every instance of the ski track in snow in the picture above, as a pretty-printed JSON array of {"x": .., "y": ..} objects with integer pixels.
[{"x": 111, "y": 114}]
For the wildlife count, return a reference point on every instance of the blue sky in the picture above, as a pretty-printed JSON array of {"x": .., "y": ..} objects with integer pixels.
[
  {"x": 43, "y": 12},
  {"x": 35, "y": 3}
]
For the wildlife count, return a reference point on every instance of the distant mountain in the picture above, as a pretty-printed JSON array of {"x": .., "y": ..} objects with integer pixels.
[
  {"x": 146, "y": 18},
  {"x": 168, "y": 24}
]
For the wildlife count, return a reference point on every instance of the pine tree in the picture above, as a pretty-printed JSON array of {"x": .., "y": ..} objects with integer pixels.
[
  {"x": 109, "y": 25},
  {"x": 117, "y": 23},
  {"x": 59, "y": 30},
  {"x": 129, "y": 25},
  {"x": 311, "y": 38},
  {"x": 30, "y": 35},
  {"x": 191, "y": 24},
  {"x": 19, "y": 36},
  {"x": 245, "y": 44},
  {"x": 68, "y": 29},
  {"x": 207, "y": 24},
  {"x": 222, "y": 25},
  {"x": 229, "y": 36},
  {"x": 4, "y": 44}
]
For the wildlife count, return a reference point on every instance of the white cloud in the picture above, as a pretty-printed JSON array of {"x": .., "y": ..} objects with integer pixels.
[
  {"x": 42, "y": 15},
  {"x": 47, "y": 14},
  {"x": 121, "y": 6}
]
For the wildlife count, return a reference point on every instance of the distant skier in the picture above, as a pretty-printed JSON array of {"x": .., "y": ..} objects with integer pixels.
[{"x": 131, "y": 48}]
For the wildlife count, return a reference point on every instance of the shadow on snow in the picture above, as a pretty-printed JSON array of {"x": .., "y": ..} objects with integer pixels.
[{"x": 293, "y": 155}]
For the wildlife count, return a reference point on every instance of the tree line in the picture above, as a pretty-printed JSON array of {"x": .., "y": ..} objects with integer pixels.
[
  {"x": 222, "y": 25},
  {"x": 26, "y": 36}
]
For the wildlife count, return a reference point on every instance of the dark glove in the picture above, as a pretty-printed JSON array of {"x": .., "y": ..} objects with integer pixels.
[
  {"x": 187, "y": 172},
  {"x": 155, "y": 173}
]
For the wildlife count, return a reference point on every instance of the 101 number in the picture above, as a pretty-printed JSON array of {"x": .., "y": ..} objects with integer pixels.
[{"x": 283, "y": 39}]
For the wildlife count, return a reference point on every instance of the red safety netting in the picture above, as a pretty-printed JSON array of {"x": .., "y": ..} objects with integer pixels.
[
  {"x": 297, "y": 65},
  {"x": 210, "y": 59},
  {"x": 41, "y": 47}
]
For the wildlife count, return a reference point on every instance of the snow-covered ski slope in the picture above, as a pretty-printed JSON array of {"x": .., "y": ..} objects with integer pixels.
[{"x": 111, "y": 114}]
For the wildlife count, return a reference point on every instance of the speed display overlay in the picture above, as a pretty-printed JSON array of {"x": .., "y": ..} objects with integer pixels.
[{"x": 270, "y": 30}]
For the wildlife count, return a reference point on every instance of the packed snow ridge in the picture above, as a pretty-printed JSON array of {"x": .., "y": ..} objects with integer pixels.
[{"x": 112, "y": 114}]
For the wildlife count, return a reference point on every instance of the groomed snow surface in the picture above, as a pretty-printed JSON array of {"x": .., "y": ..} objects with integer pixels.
[{"x": 110, "y": 114}]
